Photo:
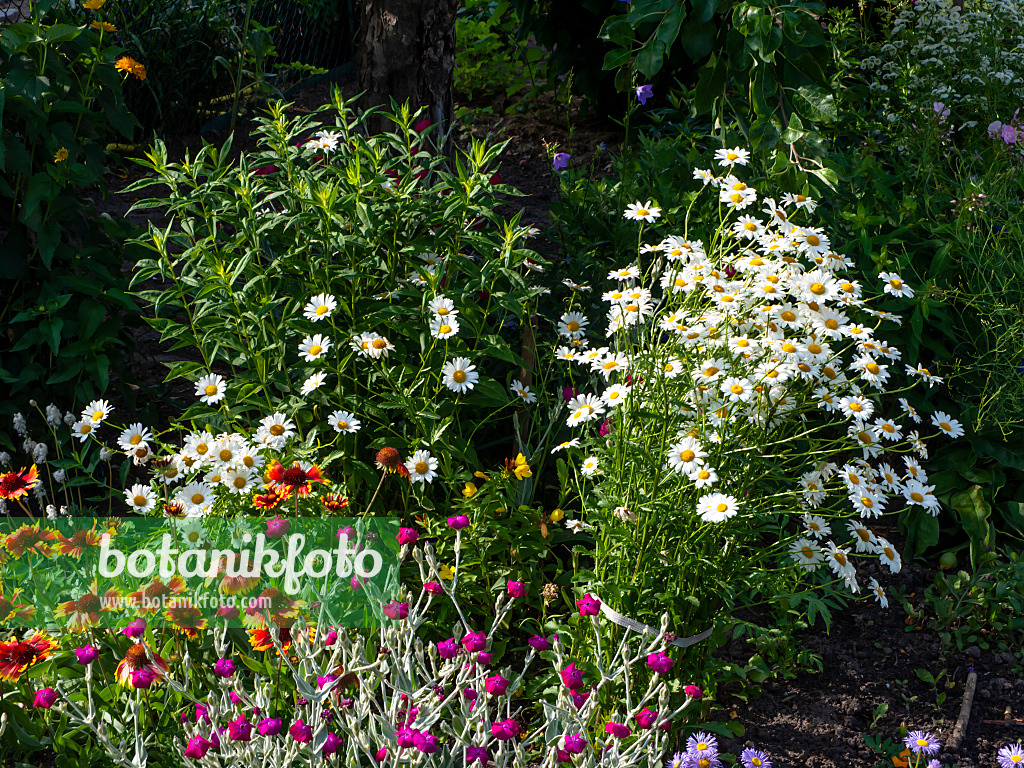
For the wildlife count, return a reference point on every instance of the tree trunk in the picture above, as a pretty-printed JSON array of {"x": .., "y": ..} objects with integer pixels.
[{"x": 407, "y": 53}]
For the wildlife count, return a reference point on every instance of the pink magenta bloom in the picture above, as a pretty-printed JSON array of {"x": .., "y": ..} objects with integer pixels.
[
  {"x": 278, "y": 527},
  {"x": 579, "y": 698},
  {"x": 395, "y": 610},
  {"x": 617, "y": 730},
  {"x": 197, "y": 748},
  {"x": 426, "y": 743},
  {"x": 606, "y": 428},
  {"x": 270, "y": 726},
  {"x": 331, "y": 745},
  {"x": 240, "y": 729},
  {"x": 516, "y": 589},
  {"x": 382, "y": 754},
  {"x": 448, "y": 649},
  {"x": 470, "y": 693},
  {"x": 224, "y": 668},
  {"x": 574, "y": 743},
  {"x": 143, "y": 678},
  {"x": 659, "y": 662},
  {"x": 45, "y": 698},
  {"x": 433, "y": 588},
  {"x": 693, "y": 692},
  {"x": 484, "y": 658},
  {"x": 406, "y": 737},
  {"x": 458, "y": 522},
  {"x": 355, "y": 584},
  {"x": 331, "y": 639},
  {"x": 301, "y": 732},
  {"x": 572, "y": 678},
  {"x": 135, "y": 629},
  {"x": 86, "y": 654},
  {"x": 645, "y": 718},
  {"x": 588, "y": 606},
  {"x": 539, "y": 643},
  {"x": 505, "y": 730},
  {"x": 496, "y": 685},
  {"x": 228, "y": 612},
  {"x": 407, "y": 536},
  {"x": 478, "y": 754},
  {"x": 474, "y": 641}
]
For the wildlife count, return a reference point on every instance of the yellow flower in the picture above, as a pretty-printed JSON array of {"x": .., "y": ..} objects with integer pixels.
[
  {"x": 522, "y": 469},
  {"x": 128, "y": 64},
  {"x": 469, "y": 490},
  {"x": 61, "y": 155},
  {"x": 480, "y": 475},
  {"x": 93, "y": 5},
  {"x": 446, "y": 573},
  {"x": 103, "y": 26},
  {"x": 557, "y": 515}
]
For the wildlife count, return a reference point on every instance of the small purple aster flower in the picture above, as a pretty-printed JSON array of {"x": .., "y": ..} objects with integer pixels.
[
  {"x": 922, "y": 743},
  {"x": 755, "y": 758},
  {"x": 702, "y": 745},
  {"x": 678, "y": 760},
  {"x": 560, "y": 161},
  {"x": 1011, "y": 756},
  {"x": 643, "y": 93},
  {"x": 934, "y": 763}
]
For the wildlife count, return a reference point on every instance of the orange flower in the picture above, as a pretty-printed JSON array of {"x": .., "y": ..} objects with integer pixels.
[
  {"x": 272, "y": 499},
  {"x": 185, "y": 617},
  {"x": 16, "y": 657},
  {"x": 103, "y": 26},
  {"x": 282, "y": 609},
  {"x": 233, "y": 582},
  {"x": 135, "y": 659},
  {"x": 16, "y": 484},
  {"x": 152, "y": 597},
  {"x": 85, "y": 611},
  {"x": 28, "y": 538},
  {"x": 79, "y": 540},
  {"x": 60, "y": 155},
  {"x": 261, "y": 640},
  {"x": 10, "y": 610},
  {"x": 334, "y": 501},
  {"x": 128, "y": 64},
  {"x": 296, "y": 478}
]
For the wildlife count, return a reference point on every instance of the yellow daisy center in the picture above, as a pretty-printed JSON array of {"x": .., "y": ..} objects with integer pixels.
[
  {"x": 422, "y": 468},
  {"x": 722, "y": 508},
  {"x": 277, "y": 430},
  {"x": 710, "y": 371},
  {"x": 687, "y": 455},
  {"x": 198, "y": 498},
  {"x": 322, "y": 310},
  {"x": 788, "y": 316},
  {"x": 139, "y": 501},
  {"x": 446, "y": 329},
  {"x": 458, "y": 377},
  {"x": 315, "y": 350},
  {"x": 573, "y": 326},
  {"x": 813, "y": 241},
  {"x": 136, "y": 439},
  {"x": 736, "y": 389},
  {"x": 211, "y": 390},
  {"x": 917, "y": 497}
]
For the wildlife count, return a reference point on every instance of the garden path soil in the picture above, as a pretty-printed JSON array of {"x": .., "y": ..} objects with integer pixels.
[{"x": 869, "y": 657}]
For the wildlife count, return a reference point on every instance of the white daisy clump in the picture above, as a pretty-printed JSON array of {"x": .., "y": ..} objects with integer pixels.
[{"x": 744, "y": 380}]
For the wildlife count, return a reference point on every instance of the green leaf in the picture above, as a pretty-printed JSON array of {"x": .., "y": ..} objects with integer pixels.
[{"x": 974, "y": 514}]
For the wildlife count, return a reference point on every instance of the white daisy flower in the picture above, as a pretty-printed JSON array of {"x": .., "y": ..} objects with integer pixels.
[
  {"x": 839, "y": 561},
  {"x": 888, "y": 555},
  {"x": 642, "y": 212},
  {"x": 863, "y": 537},
  {"x": 211, "y": 389},
  {"x": 589, "y": 466},
  {"x": 878, "y": 592},
  {"x": 196, "y": 498},
  {"x": 344, "y": 422},
  {"x": 703, "y": 477},
  {"x": 459, "y": 375},
  {"x": 615, "y": 394},
  {"x": 716, "y": 507},
  {"x": 857, "y": 407},
  {"x": 422, "y": 467},
  {"x": 313, "y": 382},
  {"x": 379, "y": 347},
  {"x": 950, "y": 426},
  {"x": 816, "y": 526},
  {"x": 806, "y": 553},
  {"x": 566, "y": 445},
  {"x": 320, "y": 307},
  {"x": 523, "y": 391},
  {"x": 573, "y": 325},
  {"x": 626, "y": 273},
  {"x": 800, "y": 201},
  {"x": 239, "y": 479},
  {"x": 686, "y": 455},
  {"x": 444, "y": 327},
  {"x": 140, "y": 498},
  {"x": 314, "y": 347},
  {"x": 97, "y": 411},
  {"x": 910, "y": 410},
  {"x": 729, "y": 158},
  {"x": 83, "y": 429},
  {"x": 275, "y": 431},
  {"x": 134, "y": 436},
  {"x": 895, "y": 286},
  {"x": 442, "y": 307}
]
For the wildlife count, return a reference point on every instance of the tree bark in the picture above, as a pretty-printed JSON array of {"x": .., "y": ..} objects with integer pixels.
[{"x": 407, "y": 53}]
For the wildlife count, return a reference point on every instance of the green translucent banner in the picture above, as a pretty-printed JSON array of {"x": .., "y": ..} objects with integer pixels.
[{"x": 195, "y": 573}]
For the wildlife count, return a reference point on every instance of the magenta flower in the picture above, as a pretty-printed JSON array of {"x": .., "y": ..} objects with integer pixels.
[
  {"x": 228, "y": 612},
  {"x": 395, "y": 610},
  {"x": 86, "y": 654},
  {"x": 478, "y": 754},
  {"x": 278, "y": 527},
  {"x": 224, "y": 668},
  {"x": 568, "y": 393},
  {"x": 433, "y": 588},
  {"x": 617, "y": 730},
  {"x": 448, "y": 649},
  {"x": 505, "y": 730},
  {"x": 45, "y": 698},
  {"x": 135, "y": 629},
  {"x": 693, "y": 692},
  {"x": 484, "y": 658},
  {"x": 406, "y": 737},
  {"x": 331, "y": 639},
  {"x": 382, "y": 754},
  {"x": 407, "y": 536},
  {"x": 588, "y": 606},
  {"x": 539, "y": 643},
  {"x": 301, "y": 732},
  {"x": 606, "y": 428},
  {"x": 270, "y": 726},
  {"x": 645, "y": 718},
  {"x": 496, "y": 685},
  {"x": 516, "y": 589},
  {"x": 659, "y": 662},
  {"x": 475, "y": 641},
  {"x": 1009, "y": 134},
  {"x": 324, "y": 680},
  {"x": 426, "y": 743},
  {"x": 458, "y": 522},
  {"x": 235, "y": 698},
  {"x": 355, "y": 584},
  {"x": 240, "y": 729},
  {"x": 143, "y": 678},
  {"x": 560, "y": 161},
  {"x": 572, "y": 678},
  {"x": 331, "y": 744},
  {"x": 574, "y": 743},
  {"x": 643, "y": 93},
  {"x": 197, "y": 748},
  {"x": 579, "y": 698}
]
